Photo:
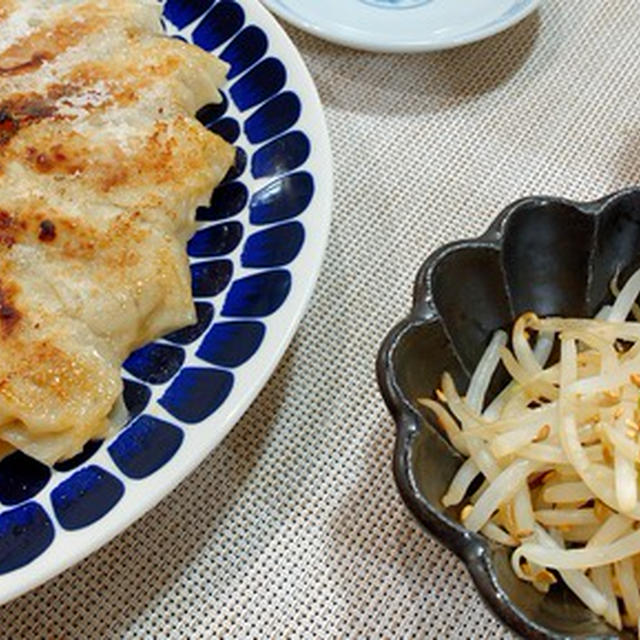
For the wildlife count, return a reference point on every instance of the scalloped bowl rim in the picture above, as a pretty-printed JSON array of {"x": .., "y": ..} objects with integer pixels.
[{"x": 472, "y": 549}]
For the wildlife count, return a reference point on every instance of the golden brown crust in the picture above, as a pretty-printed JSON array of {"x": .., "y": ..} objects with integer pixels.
[
  {"x": 9, "y": 315},
  {"x": 101, "y": 165},
  {"x": 66, "y": 28},
  {"x": 7, "y": 7}
]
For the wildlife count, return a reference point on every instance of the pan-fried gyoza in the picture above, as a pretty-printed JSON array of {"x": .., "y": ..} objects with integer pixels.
[{"x": 102, "y": 165}]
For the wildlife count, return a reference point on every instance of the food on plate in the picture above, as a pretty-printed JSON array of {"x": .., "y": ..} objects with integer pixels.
[
  {"x": 551, "y": 465},
  {"x": 102, "y": 167}
]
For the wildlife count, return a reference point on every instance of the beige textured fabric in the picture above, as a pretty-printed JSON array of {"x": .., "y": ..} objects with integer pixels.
[{"x": 293, "y": 528}]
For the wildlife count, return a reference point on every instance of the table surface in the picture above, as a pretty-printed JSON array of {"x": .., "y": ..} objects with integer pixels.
[{"x": 293, "y": 527}]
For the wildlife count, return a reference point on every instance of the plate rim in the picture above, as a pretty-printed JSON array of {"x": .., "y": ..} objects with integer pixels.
[
  {"x": 374, "y": 46},
  {"x": 105, "y": 530}
]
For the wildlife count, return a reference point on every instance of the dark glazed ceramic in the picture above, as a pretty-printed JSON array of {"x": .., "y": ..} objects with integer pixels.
[{"x": 542, "y": 254}]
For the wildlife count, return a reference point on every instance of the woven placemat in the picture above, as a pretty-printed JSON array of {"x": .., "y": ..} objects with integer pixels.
[{"x": 292, "y": 527}]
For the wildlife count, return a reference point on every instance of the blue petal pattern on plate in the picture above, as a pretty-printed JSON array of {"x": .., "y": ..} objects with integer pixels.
[
  {"x": 274, "y": 247},
  {"x": 197, "y": 393},
  {"x": 145, "y": 446},
  {"x": 21, "y": 478},
  {"x": 244, "y": 50},
  {"x": 155, "y": 363},
  {"x": 282, "y": 199},
  {"x": 218, "y": 240},
  {"x": 259, "y": 103},
  {"x": 238, "y": 167},
  {"x": 227, "y": 201},
  {"x": 259, "y": 84},
  {"x": 185, "y": 336},
  {"x": 212, "y": 112},
  {"x": 273, "y": 118},
  {"x": 211, "y": 278},
  {"x": 281, "y": 155},
  {"x": 226, "y": 128},
  {"x": 259, "y": 295},
  {"x": 220, "y": 24},
  {"x": 85, "y": 497},
  {"x": 25, "y": 533},
  {"x": 183, "y": 12},
  {"x": 136, "y": 397},
  {"x": 231, "y": 344}
]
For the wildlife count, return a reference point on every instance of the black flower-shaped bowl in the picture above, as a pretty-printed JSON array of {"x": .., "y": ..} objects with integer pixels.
[{"x": 547, "y": 255}]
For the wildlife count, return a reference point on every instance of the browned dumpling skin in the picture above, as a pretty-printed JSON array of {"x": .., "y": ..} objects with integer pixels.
[{"x": 102, "y": 166}]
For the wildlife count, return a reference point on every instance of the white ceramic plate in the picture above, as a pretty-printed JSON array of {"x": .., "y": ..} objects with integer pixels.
[
  {"x": 255, "y": 261},
  {"x": 402, "y": 25}
]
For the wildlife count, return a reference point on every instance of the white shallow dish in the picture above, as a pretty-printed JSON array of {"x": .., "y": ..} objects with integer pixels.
[
  {"x": 255, "y": 261},
  {"x": 402, "y": 25}
]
